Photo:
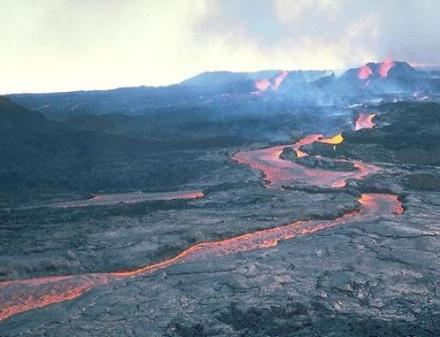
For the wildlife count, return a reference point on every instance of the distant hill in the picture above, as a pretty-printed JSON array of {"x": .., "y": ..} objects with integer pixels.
[
  {"x": 220, "y": 82},
  {"x": 134, "y": 100},
  {"x": 379, "y": 78},
  {"x": 14, "y": 117},
  {"x": 225, "y": 78},
  {"x": 220, "y": 78}
]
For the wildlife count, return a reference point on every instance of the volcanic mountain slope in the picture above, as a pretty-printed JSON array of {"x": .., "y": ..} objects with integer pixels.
[
  {"x": 221, "y": 88},
  {"x": 133, "y": 100},
  {"x": 204, "y": 89},
  {"x": 195, "y": 91},
  {"x": 297, "y": 88},
  {"x": 229, "y": 78},
  {"x": 387, "y": 77},
  {"x": 227, "y": 82},
  {"x": 14, "y": 118}
]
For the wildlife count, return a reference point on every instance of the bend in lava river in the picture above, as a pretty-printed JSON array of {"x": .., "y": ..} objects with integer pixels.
[
  {"x": 23, "y": 295},
  {"x": 277, "y": 171}
]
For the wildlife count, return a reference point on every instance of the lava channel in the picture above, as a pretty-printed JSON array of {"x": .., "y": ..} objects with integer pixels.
[
  {"x": 277, "y": 171},
  {"x": 130, "y": 198},
  {"x": 24, "y": 295}
]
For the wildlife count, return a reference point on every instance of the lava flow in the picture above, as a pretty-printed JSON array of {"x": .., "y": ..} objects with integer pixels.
[
  {"x": 24, "y": 295},
  {"x": 130, "y": 198},
  {"x": 382, "y": 203},
  {"x": 279, "y": 79},
  {"x": 365, "y": 72},
  {"x": 277, "y": 171},
  {"x": 335, "y": 140},
  {"x": 262, "y": 85},
  {"x": 365, "y": 121},
  {"x": 307, "y": 140},
  {"x": 386, "y": 66},
  {"x": 271, "y": 84}
]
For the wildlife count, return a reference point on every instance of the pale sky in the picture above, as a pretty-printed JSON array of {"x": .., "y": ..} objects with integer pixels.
[{"x": 62, "y": 45}]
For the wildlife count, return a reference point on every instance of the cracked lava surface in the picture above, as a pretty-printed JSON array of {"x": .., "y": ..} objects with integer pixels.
[{"x": 18, "y": 296}]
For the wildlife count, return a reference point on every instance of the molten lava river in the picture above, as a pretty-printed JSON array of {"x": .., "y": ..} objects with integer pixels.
[
  {"x": 365, "y": 121},
  {"x": 18, "y": 296},
  {"x": 277, "y": 171}
]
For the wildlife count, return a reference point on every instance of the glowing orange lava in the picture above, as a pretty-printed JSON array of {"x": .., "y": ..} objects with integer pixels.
[
  {"x": 272, "y": 84},
  {"x": 365, "y": 121},
  {"x": 386, "y": 66},
  {"x": 307, "y": 140},
  {"x": 277, "y": 171},
  {"x": 262, "y": 85},
  {"x": 382, "y": 203},
  {"x": 279, "y": 79},
  {"x": 23, "y": 295},
  {"x": 365, "y": 72},
  {"x": 130, "y": 198}
]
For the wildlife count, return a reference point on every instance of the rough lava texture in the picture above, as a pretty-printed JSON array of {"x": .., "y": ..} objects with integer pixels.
[{"x": 374, "y": 277}]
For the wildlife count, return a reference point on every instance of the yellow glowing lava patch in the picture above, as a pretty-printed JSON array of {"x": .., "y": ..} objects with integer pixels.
[{"x": 337, "y": 139}]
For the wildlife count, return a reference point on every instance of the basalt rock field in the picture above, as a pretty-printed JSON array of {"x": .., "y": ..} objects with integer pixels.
[{"x": 255, "y": 204}]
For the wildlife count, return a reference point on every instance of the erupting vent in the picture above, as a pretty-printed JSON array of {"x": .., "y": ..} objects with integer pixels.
[
  {"x": 366, "y": 71},
  {"x": 385, "y": 67},
  {"x": 272, "y": 84}
]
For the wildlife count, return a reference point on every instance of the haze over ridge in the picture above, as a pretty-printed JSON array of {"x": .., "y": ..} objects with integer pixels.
[{"x": 61, "y": 45}]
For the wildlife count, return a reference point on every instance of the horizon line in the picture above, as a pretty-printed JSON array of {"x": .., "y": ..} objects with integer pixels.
[{"x": 128, "y": 86}]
